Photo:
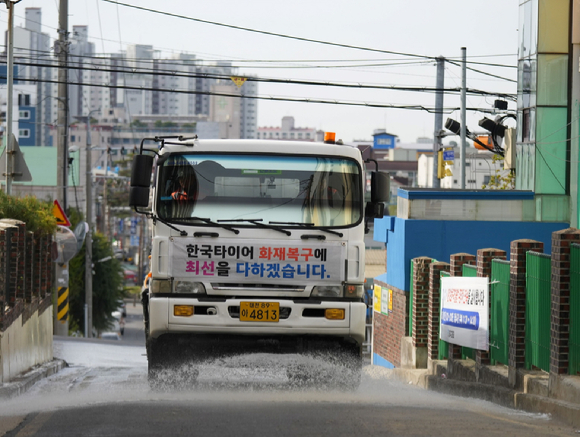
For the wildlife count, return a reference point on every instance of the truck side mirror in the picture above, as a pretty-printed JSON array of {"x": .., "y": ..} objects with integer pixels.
[
  {"x": 140, "y": 180},
  {"x": 380, "y": 187}
]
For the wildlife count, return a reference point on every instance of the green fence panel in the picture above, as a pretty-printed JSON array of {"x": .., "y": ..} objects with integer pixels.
[
  {"x": 574, "y": 346},
  {"x": 443, "y": 352},
  {"x": 411, "y": 302},
  {"x": 499, "y": 311},
  {"x": 538, "y": 310},
  {"x": 470, "y": 272}
]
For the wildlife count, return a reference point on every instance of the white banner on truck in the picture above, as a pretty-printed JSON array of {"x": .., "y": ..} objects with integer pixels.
[
  {"x": 248, "y": 261},
  {"x": 465, "y": 311}
]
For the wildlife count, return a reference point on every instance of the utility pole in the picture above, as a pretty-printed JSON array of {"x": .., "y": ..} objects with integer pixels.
[
  {"x": 437, "y": 139},
  {"x": 463, "y": 131},
  {"x": 105, "y": 215},
  {"x": 89, "y": 237},
  {"x": 9, "y": 90},
  {"x": 62, "y": 123}
]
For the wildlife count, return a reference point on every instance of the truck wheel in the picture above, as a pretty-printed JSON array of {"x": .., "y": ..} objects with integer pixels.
[
  {"x": 167, "y": 368},
  {"x": 351, "y": 363},
  {"x": 156, "y": 362}
]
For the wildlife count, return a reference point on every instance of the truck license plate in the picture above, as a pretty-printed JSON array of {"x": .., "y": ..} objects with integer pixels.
[{"x": 259, "y": 311}]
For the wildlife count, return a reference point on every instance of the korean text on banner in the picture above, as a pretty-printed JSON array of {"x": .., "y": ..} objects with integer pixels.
[
  {"x": 465, "y": 312},
  {"x": 244, "y": 261}
]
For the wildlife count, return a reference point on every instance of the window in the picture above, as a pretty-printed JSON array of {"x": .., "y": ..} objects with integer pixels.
[
  {"x": 24, "y": 114},
  {"x": 304, "y": 189},
  {"x": 73, "y": 138},
  {"x": 24, "y": 133},
  {"x": 486, "y": 179}
]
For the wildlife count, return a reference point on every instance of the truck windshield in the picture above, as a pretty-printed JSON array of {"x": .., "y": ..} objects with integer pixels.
[{"x": 323, "y": 191}]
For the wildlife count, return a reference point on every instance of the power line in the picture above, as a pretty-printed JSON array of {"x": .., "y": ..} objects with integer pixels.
[
  {"x": 170, "y": 73},
  {"x": 263, "y": 32},
  {"x": 271, "y": 98}
]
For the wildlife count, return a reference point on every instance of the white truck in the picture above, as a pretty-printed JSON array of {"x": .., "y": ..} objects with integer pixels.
[{"x": 256, "y": 246}]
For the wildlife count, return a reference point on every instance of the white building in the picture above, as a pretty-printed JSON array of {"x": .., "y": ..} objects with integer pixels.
[
  {"x": 479, "y": 168},
  {"x": 288, "y": 131}
]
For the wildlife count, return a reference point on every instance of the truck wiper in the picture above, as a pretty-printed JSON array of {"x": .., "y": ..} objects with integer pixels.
[
  {"x": 258, "y": 223},
  {"x": 308, "y": 226},
  {"x": 165, "y": 222},
  {"x": 209, "y": 222}
]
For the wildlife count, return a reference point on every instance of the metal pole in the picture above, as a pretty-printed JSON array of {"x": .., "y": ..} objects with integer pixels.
[
  {"x": 105, "y": 216},
  {"x": 9, "y": 90},
  {"x": 62, "y": 152},
  {"x": 438, "y": 117},
  {"x": 89, "y": 237},
  {"x": 463, "y": 131}
]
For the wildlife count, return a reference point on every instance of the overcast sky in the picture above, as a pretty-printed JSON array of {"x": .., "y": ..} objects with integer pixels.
[{"x": 430, "y": 28}]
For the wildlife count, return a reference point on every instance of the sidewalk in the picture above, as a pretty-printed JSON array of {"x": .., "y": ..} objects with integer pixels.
[
  {"x": 23, "y": 382},
  {"x": 532, "y": 394}
]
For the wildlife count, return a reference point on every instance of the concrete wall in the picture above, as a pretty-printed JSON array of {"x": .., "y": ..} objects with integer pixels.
[{"x": 24, "y": 345}]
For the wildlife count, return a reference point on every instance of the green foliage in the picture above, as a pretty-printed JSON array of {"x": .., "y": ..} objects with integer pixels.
[
  {"x": 37, "y": 214},
  {"x": 189, "y": 125},
  {"x": 107, "y": 282},
  {"x": 165, "y": 124},
  {"x": 138, "y": 123},
  {"x": 501, "y": 180}
]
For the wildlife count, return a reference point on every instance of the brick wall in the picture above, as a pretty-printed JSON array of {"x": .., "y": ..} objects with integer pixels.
[
  {"x": 25, "y": 272},
  {"x": 389, "y": 330},
  {"x": 560, "y": 317},
  {"x": 435, "y": 270},
  {"x": 517, "y": 345},
  {"x": 420, "y": 301}
]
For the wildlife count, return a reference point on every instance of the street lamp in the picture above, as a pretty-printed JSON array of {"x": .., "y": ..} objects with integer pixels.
[{"x": 9, "y": 86}]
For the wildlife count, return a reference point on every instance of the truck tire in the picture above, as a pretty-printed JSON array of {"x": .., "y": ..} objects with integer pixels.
[{"x": 167, "y": 367}]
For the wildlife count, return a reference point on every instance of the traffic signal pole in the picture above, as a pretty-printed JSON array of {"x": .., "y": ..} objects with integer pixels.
[{"x": 437, "y": 139}]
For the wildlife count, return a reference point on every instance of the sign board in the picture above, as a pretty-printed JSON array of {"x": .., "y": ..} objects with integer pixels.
[
  {"x": 465, "y": 311},
  {"x": 66, "y": 244},
  {"x": 377, "y": 298},
  {"x": 448, "y": 155},
  {"x": 58, "y": 213},
  {"x": 385, "y": 301}
]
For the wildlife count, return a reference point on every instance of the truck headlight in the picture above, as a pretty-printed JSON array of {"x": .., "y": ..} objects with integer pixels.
[
  {"x": 347, "y": 290},
  {"x": 327, "y": 291},
  {"x": 188, "y": 287},
  {"x": 160, "y": 286}
]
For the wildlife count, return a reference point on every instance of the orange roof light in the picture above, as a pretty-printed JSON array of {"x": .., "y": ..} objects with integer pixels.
[{"x": 329, "y": 137}]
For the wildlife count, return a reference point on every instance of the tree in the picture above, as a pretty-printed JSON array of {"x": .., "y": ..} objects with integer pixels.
[
  {"x": 502, "y": 179},
  {"x": 107, "y": 282}
]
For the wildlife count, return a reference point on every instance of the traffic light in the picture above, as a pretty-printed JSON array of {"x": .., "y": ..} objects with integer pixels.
[{"x": 444, "y": 167}]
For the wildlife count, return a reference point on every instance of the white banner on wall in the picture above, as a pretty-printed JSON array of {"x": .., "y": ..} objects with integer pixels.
[{"x": 465, "y": 312}]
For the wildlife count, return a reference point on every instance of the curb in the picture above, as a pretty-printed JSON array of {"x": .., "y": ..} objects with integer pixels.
[
  {"x": 25, "y": 381},
  {"x": 567, "y": 412}
]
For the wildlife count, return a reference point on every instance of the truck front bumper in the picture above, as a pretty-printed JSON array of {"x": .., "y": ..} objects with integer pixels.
[{"x": 221, "y": 318}]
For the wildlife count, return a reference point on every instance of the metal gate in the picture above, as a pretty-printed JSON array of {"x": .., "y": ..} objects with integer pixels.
[
  {"x": 443, "y": 351},
  {"x": 538, "y": 310},
  {"x": 499, "y": 311},
  {"x": 574, "y": 346}
]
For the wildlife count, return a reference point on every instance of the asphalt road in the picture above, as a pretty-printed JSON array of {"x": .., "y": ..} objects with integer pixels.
[{"x": 104, "y": 392}]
